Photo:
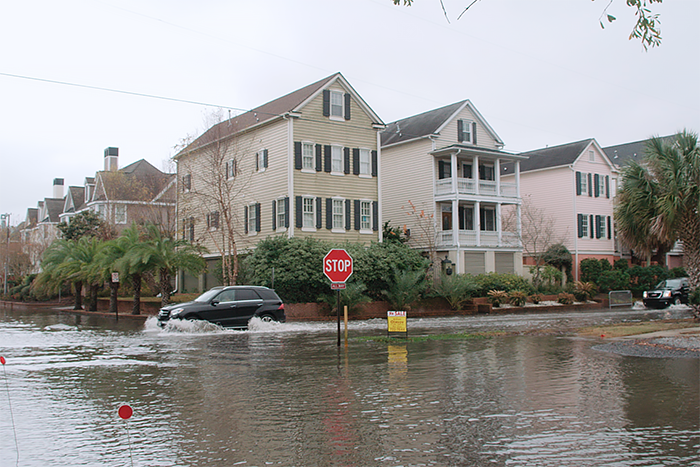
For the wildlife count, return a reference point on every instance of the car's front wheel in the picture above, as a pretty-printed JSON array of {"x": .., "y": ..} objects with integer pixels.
[{"x": 677, "y": 301}]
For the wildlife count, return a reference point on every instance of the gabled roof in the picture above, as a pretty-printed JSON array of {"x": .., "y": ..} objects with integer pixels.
[
  {"x": 32, "y": 217},
  {"x": 139, "y": 181},
  {"x": 622, "y": 153},
  {"x": 275, "y": 109},
  {"x": 555, "y": 156},
  {"x": 430, "y": 123},
  {"x": 54, "y": 207},
  {"x": 75, "y": 198}
]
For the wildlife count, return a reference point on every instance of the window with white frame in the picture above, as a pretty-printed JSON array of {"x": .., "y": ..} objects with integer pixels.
[
  {"x": 336, "y": 159},
  {"x": 307, "y": 156},
  {"x": 308, "y": 213},
  {"x": 339, "y": 214},
  {"x": 488, "y": 219},
  {"x": 365, "y": 162},
  {"x": 101, "y": 211},
  {"x": 261, "y": 160},
  {"x": 337, "y": 102},
  {"x": 487, "y": 172},
  {"x": 120, "y": 214},
  {"x": 252, "y": 219},
  {"x": 213, "y": 220},
  {"x": 601, "y": 185},
  {"x": 584, "y": 184},
  {"x": 231, "y": 169},
  {"x": 365, "y": 215},
  {"x": 591, "y": 156},
  {"x": 465, "y": 131},
  {"x": 281, "y": 213},
  {"x": 584, "y": 225},
  {"x": 601, "y": 227}
]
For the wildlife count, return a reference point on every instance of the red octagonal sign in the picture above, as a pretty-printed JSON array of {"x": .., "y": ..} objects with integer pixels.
[{"x": 337, "y": 265}]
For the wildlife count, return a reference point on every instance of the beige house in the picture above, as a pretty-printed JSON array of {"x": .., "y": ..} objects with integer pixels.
[
  {"x": 303, "y": 165},
  {"x": 441, "y": 182},
  {"x": 574, "y": 184}
]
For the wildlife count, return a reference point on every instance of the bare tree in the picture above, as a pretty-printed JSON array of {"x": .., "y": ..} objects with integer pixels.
[
  {"x": 214, "y": 170},
  {"x": 424, "y": 235}
]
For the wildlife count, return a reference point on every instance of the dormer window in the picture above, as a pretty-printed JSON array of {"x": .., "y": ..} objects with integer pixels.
[
  {"x": 336, "y": 105},
  {"x": 466, "y": 131}
]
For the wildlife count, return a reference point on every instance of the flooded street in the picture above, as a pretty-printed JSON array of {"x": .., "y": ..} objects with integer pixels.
[{"x": 283, "y": 394}]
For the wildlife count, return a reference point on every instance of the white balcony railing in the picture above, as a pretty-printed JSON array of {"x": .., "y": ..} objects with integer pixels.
[
  {"x": 467, "y": 186},
  {"x": 468, "y": 238}
]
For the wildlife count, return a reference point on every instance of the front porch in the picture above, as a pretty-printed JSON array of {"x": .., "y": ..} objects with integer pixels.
[{"x": 474, "y": 238}]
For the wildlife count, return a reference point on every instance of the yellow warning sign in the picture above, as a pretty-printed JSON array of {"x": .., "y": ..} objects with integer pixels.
[{"x": 396, "y": 321}]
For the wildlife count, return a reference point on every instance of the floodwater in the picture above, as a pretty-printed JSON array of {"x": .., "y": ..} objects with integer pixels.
[{"x": 284, "y": 394}]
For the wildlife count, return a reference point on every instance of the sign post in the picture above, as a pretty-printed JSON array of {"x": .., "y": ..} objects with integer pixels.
[{"x": 337, "y": 266}]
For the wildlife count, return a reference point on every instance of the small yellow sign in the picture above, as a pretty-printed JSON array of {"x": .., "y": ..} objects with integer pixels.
[{"x": 396, "y": 321}]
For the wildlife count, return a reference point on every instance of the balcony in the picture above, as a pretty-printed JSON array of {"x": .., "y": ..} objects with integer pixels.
[
  {"x": 468, "y": 186},
  {"x": 468, "y": 238}
]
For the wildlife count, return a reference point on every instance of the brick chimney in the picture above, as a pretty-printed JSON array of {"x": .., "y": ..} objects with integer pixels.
[
  {"x": 111, "y": 159},
  {"x": 58, "y": 188}
]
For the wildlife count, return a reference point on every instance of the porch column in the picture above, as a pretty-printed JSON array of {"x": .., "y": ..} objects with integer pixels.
[
  {"x": 453, "y": 172},
  {"x": 477, "y": 223},
  {"x": 498, "y": 222},
  {"x": 519, "y": 223},
  {"x": 455, "y": 221},
  {"x": 497, "y": 174},
  {"x": 475, "y": 174},
  {"x": 517, "y": 180}
]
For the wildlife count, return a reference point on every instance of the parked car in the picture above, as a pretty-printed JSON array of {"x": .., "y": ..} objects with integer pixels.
[
  {"x": 668, "y": 292},
  {"x": 231, "y": 306}
]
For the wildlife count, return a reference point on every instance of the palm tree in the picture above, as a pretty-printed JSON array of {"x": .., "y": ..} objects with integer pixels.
[
  {"x": 161, "y": 252},
  {"x": 52, "y": 276},
  {"x": 81, "y": 266},
  {"x": 659, "y": 201}
]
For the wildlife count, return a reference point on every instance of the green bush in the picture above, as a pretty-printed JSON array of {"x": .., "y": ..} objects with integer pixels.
[
  {"x": 590, "y": 269},
  {"x": 457, "y": 289},
  {"x": 497, "y": 297},
  {"x": 645, "y": 278},
  {"x": 677, "y": 272},
  {"x": 352, "y": 296},
  {"x": 560, "y": 257},
  {"x": 584, "y": 291},
  {"x": 517, "y": 298},
  {"x": 566, "y": 298},
  {"x": 536, "y": 298},
  {"x": 501, "y": 281},
  {"x": 621, "y": 265},
  {"x": 405, "y": 287},
  {"x": 614, "y": 280},
  {"x": 694, "y": 298}
]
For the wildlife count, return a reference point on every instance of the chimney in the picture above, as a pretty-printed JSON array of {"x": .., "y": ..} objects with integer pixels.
[
  {"x": 58, "y": 188},
  {"x": 111, "y": 159}
]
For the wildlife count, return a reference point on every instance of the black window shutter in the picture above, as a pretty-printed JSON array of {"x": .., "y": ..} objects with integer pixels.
[
  {"x": 286, "y": 212},
  {"x": 192, "y": 229},
  {"x": 591, "y": 226},
  {"x": 326, "y": 158},
  {"x": 357, "y": 214},
  {"x": 326, "y": 103},
  {"x": 347, "y": 106},
  {"x": 346, "y": 160},
  {"x": 609, "y": 228},
  {"x": 299, "y": 213},
  {"x": 245, "y": 218},
  {"x": 265, "y": 158},
  {"x": 596, "y": 186},
  {"x": 319, "y": 158},
  {"x": 375, "y": 216},
  {"x": 297, "y": 155},
  {"x": 590, "y": 184},
  {"x": 274, "y": 215},
  {"x": 375, "y": 164},
  {"x": 355, "y": 161},
  {"x": 329, "y": 213},
  {"x": 441, "y": 170},
  {"x": 460, "y": 218},
  {"x": 257, "y": 161},
  {"x": 184, "y": 229},
  {"x": 473, "y": 132},
  {"x": 460, "y": 130},
  {"x": 580, "y": 225},
  {"x": 607, "y": 186},
  {"x": 319, "y": 213},
  {"x": 348, "y": 214},
  {"x": 578, "y": 183},
  {"x": 257, "y": 217}
]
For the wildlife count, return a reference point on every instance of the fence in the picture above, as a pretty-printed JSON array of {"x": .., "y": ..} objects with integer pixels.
[{"x": 620, "y": 298}]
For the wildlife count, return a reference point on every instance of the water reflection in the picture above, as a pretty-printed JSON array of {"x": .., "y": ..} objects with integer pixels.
[{"x": 285, "y": 395}]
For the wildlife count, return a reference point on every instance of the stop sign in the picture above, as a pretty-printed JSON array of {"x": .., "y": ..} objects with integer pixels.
[{"x": 337, "y": 265}]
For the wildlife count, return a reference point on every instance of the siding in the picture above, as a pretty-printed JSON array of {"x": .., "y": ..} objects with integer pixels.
[{"x": 448, "y": 135}]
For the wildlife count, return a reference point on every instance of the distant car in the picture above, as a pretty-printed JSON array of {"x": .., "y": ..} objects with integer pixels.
[
  {"x": 668, "y": 292},
  {"x": 231, "y": 306}
]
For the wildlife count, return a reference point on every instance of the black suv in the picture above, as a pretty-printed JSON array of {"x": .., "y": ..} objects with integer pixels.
[
  {"x": 231, "y": 306},
  {"x": 668, "y": 292}
]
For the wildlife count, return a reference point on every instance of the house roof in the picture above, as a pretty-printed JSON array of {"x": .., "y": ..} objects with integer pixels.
[
  {"x": 139, "y": 181},
  {"x": 430, "y": 123},
  {"x": 32, "y": 216},
  {"x": 623, "y": 153},
  {"x": 54, "y": 207},
  {"x": 545, "y": 158},
  {"x": 272, "y": 110},
  {"x": 75, "y": 198}
]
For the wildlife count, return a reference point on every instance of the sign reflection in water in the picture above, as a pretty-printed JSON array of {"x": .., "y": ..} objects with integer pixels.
[{"x": 282, "y": 394}]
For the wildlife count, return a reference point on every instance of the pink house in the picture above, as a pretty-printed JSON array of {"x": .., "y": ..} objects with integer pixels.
[{"x": 574, "y": 184}]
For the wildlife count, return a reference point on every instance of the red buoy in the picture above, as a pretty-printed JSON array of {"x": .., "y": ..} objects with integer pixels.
[
  {"x": 2, "y": 360},
  {"x": 125, "y": 412}
]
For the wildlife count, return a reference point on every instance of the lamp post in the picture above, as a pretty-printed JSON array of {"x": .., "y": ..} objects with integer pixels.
[{"x": 5, "y": 218}]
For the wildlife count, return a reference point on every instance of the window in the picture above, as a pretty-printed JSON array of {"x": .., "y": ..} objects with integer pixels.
[
  {"x": 336, "y": 159},
  {"x": 582, "y": 225},
  {"x": 338, "y": 214},
  {"x": 467, "y": 170},
  {"x": 252, "y": 219},
  {"x": 281, "y": 207},
  {"x": 365, "y": 162},
  {"x": 365, "y": 215},
  {"x": 584, "y": 184},
  {"x": 591, "y": 156},
  {"x": 307, "y": 157},
  {"x": 487, "y": 172},
  {"x": 601, "y": 184},
  {"x": 444, "y": 169},
  {"x": 188, "y": 229},
  {"x": 446, "y": 210},
  {"x": 187, "y": 183},
  {"x": 466, "y": 218},
  {"x": 231, "y": 169},
  {"x": 100, "y": 210},
  {"x": 120, "y": 214},
  {"x": 601, "y": 227},
  {"x": 308, "y": 212},
  {"x": 337, "y": 99},
  {"x": 261, "y": 160},
  {"x": 464, "y": 131},
  {"x": 488, "y": 219},
  {"x": 213, "y": 220}
]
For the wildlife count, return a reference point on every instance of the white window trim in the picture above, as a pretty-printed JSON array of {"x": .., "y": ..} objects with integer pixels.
[
  {"x": 231, "y": 169},
  {"x": 601, "y": 185},
  {"x": 342, "y": 215},
  {"x": 341, "y": 117},
  {"x": 260, "y": 162},
  {"x": 313, "y": 214},
  {"x": 591, "y": 156},
  {"x": 584, "y": 184},
  {"x": 342, "y": 160},
  {"x": 369, "y": 203},
  {"x": 470, "y": 126},
  {"x": 311, "y": 169},
  {"x": 584, "y": 226},
  {"x": 252, "y": 217},
  {"x": 280, "y": 225},
  {"x": 367, "y": 174},
  {"x": 116, "y": 219}
]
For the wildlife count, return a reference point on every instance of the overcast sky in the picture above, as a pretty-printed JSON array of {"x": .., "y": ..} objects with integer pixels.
[{"x": 542, "y": 72}]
